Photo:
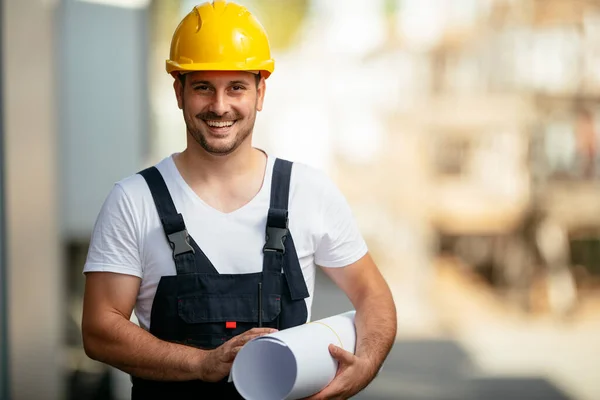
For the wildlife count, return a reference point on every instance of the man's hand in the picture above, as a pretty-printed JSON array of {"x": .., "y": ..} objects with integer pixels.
[
  {"x": 217, "y": 363},
  {"x": 353, "y": 375}
]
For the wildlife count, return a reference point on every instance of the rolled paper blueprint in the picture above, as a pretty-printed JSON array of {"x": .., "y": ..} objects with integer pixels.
[{"x": 295, "y": 362}]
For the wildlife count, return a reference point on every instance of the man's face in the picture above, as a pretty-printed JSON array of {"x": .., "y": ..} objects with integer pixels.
[{"x": 219, "y": 107}]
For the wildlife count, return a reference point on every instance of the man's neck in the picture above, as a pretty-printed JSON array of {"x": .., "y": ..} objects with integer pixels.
[
  {"x": 225, "y": 183},
  {"x": 200, "y": 167}
]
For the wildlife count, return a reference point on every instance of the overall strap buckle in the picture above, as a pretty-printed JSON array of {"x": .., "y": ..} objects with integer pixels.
[
  {"x": 276, "y": 239},
  {"x": 180, "y": 242},
  {"x": 277, "y": 231}
]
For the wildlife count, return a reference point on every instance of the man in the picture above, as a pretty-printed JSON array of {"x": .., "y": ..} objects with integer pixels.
[{"x": 218, "y": 244}]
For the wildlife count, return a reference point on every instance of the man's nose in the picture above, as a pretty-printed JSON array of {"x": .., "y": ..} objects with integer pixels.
[{"x": 219, "y": 104}]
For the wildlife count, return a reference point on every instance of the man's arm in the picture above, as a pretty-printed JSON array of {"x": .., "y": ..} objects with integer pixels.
[
  {"x": 375, "y": 322},
  {"x": 375, "y": 318},
  {"x": 110, "y": 337}
]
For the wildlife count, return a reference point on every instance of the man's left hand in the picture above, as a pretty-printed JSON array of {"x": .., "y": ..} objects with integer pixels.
[{"x": 353, "y": 374}]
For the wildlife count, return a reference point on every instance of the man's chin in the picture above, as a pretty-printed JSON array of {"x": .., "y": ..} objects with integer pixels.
[
  {"x": 218, "y": 150},
  {"x": 218, "y": 146}
]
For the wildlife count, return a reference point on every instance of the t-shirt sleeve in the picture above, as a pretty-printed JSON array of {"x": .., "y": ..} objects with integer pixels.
[
  {"x": 341, "y": 242},
  {"x": 114, "y": 245}
]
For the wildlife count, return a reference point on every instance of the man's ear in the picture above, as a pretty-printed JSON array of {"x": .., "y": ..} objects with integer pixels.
[
  {"x": 260, "y": 94},
  {"x": 178, "y": 87}
]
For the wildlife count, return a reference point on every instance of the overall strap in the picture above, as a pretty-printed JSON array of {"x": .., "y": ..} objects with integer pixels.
[
  {"x": 184, "y": 253},
  {"x": 279, "y": 250}
]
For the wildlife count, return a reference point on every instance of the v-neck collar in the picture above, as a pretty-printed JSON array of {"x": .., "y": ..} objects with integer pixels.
[{"x": 263, "y": 191}]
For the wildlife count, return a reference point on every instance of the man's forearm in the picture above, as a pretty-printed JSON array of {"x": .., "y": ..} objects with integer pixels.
[
  {"x": 128, "y": 347},
  {"x": 375, "y": 322}
]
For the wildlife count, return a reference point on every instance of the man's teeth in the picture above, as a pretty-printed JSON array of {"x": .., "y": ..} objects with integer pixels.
[{"x": 219, "y": 124}]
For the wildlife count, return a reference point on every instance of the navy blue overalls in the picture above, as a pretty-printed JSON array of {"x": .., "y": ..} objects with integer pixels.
[{"x": 199, "y": 307}]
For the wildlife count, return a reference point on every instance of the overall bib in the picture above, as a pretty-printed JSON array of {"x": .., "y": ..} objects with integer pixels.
[{"x": 202, "y": 308}]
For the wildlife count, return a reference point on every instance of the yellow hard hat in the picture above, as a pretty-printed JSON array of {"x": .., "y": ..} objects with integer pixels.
[{"x": 220, "y": 36}]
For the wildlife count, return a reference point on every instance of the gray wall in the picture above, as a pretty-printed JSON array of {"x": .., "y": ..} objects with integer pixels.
[
  {"x": 35, "y": 301},
  {"x": 3, "y": 275},
  {"x": 75, "y": 121},
  {"x": 104, "y": 106}
]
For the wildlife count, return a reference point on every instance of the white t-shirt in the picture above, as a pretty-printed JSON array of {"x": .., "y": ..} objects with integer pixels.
[{"x": 128, "y": 237}]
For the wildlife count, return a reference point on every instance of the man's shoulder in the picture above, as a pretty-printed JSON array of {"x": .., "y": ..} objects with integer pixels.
[
  {"x": 310, "y": 184},
  {"x": 308, "y": 175},
  {"x": 135, "y": 185},
  {"x": 132, "y": 185}
]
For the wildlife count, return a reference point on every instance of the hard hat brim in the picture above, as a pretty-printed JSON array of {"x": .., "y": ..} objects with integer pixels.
[{"x": 265, "y": 67}]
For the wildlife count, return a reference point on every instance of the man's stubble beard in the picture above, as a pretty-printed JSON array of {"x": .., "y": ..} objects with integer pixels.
[{"x": 200, "y": 138}]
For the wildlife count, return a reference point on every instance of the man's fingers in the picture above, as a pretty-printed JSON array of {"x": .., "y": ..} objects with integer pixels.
[
  {"x": 251, "y": 334},
  {"x": 237, "y": 342},
  {"x": 230, "y": 356},
  {"x": 232, "y": 353},
  {"x": 248, "y": 337},
  {"x": 341, "y": 355},
  {"x": 263, "y": 331}
]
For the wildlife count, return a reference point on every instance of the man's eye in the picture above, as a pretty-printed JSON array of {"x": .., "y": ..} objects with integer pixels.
[
  {"x": 237, "y": 88},
  {"x": 201, "y": 87}
]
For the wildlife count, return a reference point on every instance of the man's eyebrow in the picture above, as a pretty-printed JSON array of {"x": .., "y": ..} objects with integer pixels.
[
  {"x": 236, "y": 82},
  {"x": 201, "y": 82}
]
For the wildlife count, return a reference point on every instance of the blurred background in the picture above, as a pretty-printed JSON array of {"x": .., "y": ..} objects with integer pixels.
[{"x": 464, "y": 133}]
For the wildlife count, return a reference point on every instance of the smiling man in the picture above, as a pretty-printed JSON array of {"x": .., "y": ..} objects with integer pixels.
[
  {"x": 219, "y": 244},
  {"x": 223, "y": 106}
]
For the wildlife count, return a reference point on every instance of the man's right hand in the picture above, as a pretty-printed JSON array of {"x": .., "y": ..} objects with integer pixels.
[{"x": 217, "y": 363}]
